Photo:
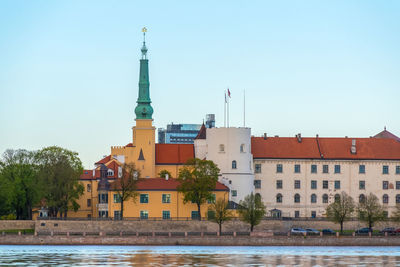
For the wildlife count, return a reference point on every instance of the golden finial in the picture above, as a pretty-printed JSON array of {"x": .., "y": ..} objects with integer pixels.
[{"x": 144, "y": 29}]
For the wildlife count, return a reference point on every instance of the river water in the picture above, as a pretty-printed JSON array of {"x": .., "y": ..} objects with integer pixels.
[{"x": 197, "y": 256}]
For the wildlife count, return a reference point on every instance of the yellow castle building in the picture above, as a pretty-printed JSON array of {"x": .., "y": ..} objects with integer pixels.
[{"x": 157, "y": 197}]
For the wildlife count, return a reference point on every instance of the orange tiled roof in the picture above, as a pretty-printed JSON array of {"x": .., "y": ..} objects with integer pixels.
[
  {"x": 104, "y": 160},
  {"x": 174, "y": 153},
  {"x": 87, "y": 175},
  {"x": 326, "y": 148},
  {"x": 158, "y": 184}
]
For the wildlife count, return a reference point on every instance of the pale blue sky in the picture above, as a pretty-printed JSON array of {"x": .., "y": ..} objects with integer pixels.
[{"x": 69, "y": 69}]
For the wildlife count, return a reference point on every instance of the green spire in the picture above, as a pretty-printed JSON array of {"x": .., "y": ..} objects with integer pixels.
[{"x": 143, "y": 109}]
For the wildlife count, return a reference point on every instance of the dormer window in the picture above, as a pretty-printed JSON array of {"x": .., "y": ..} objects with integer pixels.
[
  {"x": 221, "y": 148},
  {"x": 110, "y": 172}
]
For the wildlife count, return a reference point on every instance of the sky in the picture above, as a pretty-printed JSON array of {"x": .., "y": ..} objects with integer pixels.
[{"x": 69, "y": 69}]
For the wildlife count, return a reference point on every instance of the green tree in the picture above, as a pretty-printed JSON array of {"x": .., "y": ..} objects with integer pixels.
[
  {"x": 252, "y": 210},
  {"x": 126, "y": 186},
  {"x": 198, "y": 179},
  {"x": 220, "y": 212},
  {"x": 163, "y": 174},
  {"x": 370, "y": 211},
  {"x": 60, "y": 170},
  {"x": 341, "y": 210},
  {"x": 22, "y": 188},
  {"x": 396, "y": 214}
]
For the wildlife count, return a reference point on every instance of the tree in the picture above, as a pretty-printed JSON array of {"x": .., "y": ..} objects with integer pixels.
[
  {"x": 221, "y": 213},
  {"x": 370, "y": 211},
  {"x": 60, "y": 170},
  {"x": 198, "y": 179},
  {"x": 20, "y": 186},
  {"x": 126, "y": 186},
  {"x": 251, "y": 210},
  {"x": 396, "y": 214},
  {"x": 341, "y": 210},
  {"x": 163, "y": 174}
]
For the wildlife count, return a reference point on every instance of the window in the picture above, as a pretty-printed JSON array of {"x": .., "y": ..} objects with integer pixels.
[
  {"x": 258, "y": 168},
  {"x": 296, "y": 198},
  {"x": 279, "y": 198},
  {"x": 117, "y": 198},
  {"x": 313, "y": 184},
  {"x": 385, "y": 169},
  {"x": 361, "y": 169},
  {"x": 297, "y": 168},
  {"x": 397, "y": 184},
  {"x": 313, "y": 198},
  {"x": 361, "y": 198},
  {"x": 279, "y": 184},
  {"x": 212, "y": 200},
  {"x": 337, "y": 198},
  {"x": 337, "y": 184},
  {"x": 325, "y": 168},
  {"x": 103, "y": 198},
  {"x": 234, "y": 193},
  {"x": 397, "y": 199},
  {"x": 103, "y": 214},
  {"x": 296, "y": 184},
  {"x": 361, "y": 185},
  {"x": 296, "y": 214},
  {"x": 89, "y": 187},
  {"x": 385, "y": 214},
  {"x": 144, "y": 214},
  {"x": 110, "y": 173},
  {"x": 313, "y": 214},
  {"x": 385, "y": 185},
  {"x": 324, "y": 198},
  {"x": 257, "y": 184},
  {"x": 242, "y": 148},
  {"x": 210, "y": 214},
  {"x": 233, "y": 164},
  {"x": 385, "y": 199},
  {"x": 195, "y": 215},
  {"x": 337, "y": 168},
  {"x": 221, "y": 148},
  {"x": 144, "y": 198},
  {"x": 279, "y": 168},
  {"x": 89, "y": 202},
  {"x": 313, "y": 168},
  {"x": 166, "y": 214},
  {"x": 397, "y": 169},
  {"x": 166, "y": 198},
  {"x": 325, "y": 184},
  {"x": 117, "y": 215}
]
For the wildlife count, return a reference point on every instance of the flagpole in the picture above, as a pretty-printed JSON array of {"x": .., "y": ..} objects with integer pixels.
[
  {"x": 228, "y": 109},
  {"x": 225, "y": 108},
  {"x": 244, "y": 108}
]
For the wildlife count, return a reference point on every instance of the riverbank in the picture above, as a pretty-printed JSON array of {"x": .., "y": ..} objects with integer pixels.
[{"x": 200, "y": 241}]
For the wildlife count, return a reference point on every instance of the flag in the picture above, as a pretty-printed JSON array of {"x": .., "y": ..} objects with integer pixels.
[{"x": 229, "y": 93}]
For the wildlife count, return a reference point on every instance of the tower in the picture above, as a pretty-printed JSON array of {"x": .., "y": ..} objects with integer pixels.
[{"x": 144, "y": 131}]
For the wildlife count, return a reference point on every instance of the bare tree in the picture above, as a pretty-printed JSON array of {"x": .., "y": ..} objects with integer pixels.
[{"x": 221, "y": 212}]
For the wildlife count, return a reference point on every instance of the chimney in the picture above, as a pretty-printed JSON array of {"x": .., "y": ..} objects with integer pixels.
[
  {"x": 353, "y": 149},
  {"x": 166, "y": 176},
  {"x": 298, "y": 136},
  {"x": 265, "y": 136}
]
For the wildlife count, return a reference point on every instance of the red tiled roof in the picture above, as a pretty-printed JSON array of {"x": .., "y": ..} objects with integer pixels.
[
  {"x": 104, "y": 160},
  {"x": 327, "y": 148},
  {"x": 174, "y": 153},
  {"x": 387, "y": 134},
  {"x": 87, "y": 175},
  {"x": 202, "y": 132},
  {"x": 158, "y": 184},
  {"x": 129, "y": 145}
]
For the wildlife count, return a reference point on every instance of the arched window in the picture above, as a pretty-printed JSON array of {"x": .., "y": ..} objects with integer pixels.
[
  {"x": 385, "y": 199},
  {"x": 279, "y": 198},
  {"x": 242, "y": 148},
  {"x": 398, "y": 199},
  {"x": 221, "y": 148},
  {"x": 313, "y": 198},
  {"x": 337, "y": 198},
  {"x": 324, "y": 198},
  {"x": 233, "y": 164},
  {"x": 296, "y": 198},
  {"x": 110, "y": 172},
  {"x": 361, "y": 198}
]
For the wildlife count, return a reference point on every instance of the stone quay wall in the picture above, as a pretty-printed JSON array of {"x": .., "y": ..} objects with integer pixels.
[
  {"x": 199, "y": 241},
  {"x": 16, "y": 224}
]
